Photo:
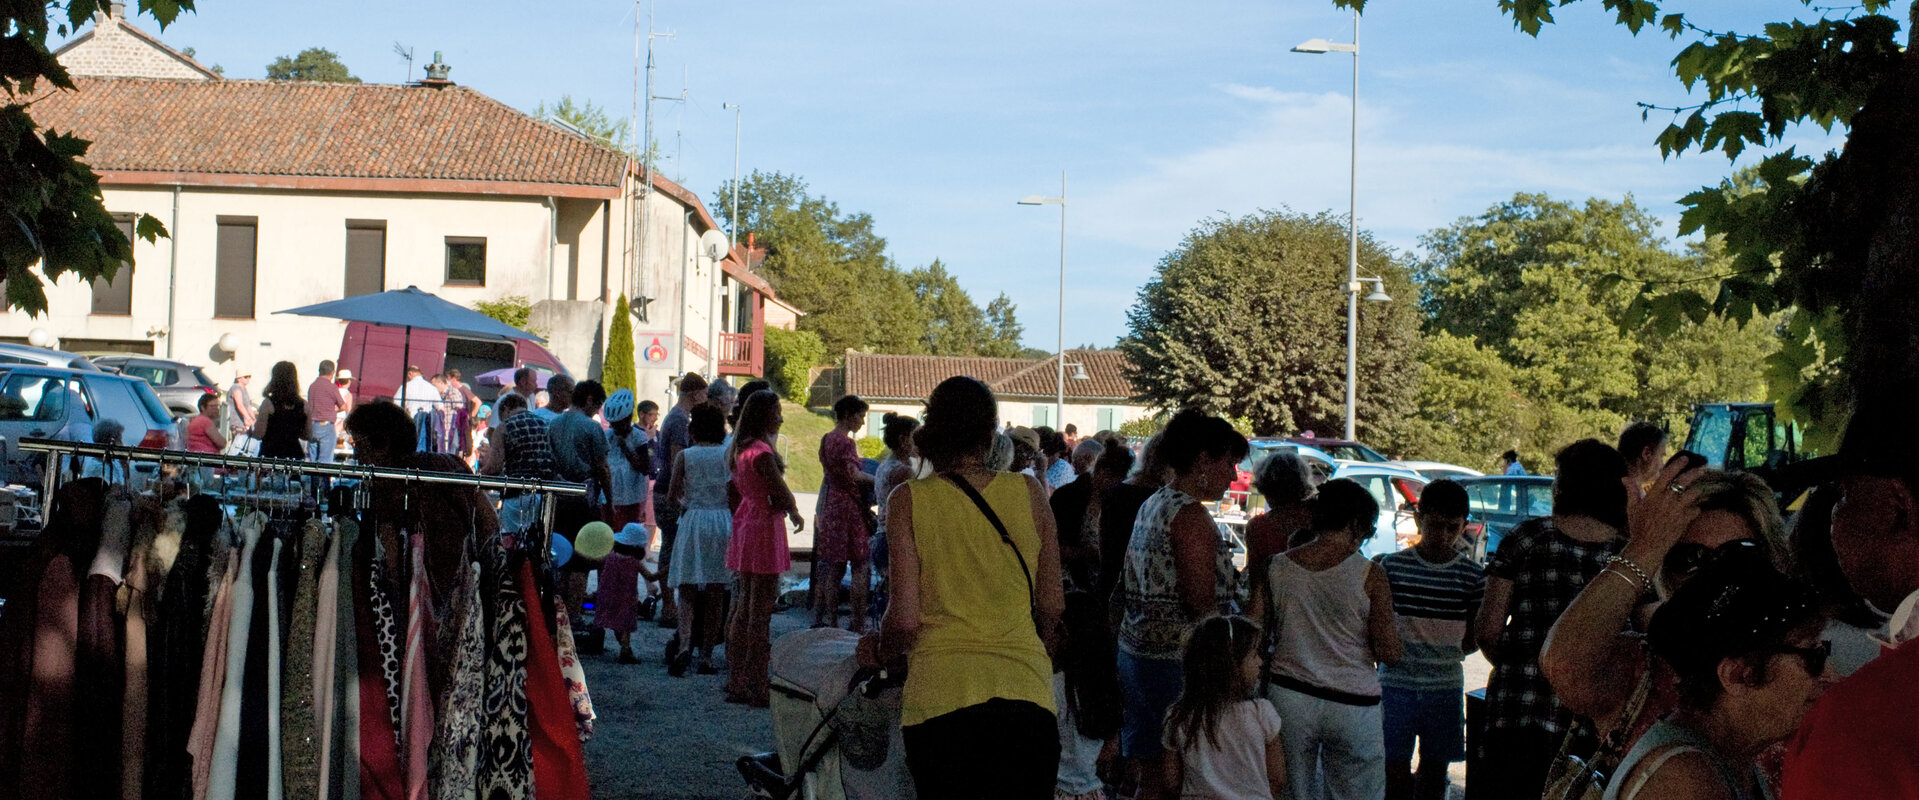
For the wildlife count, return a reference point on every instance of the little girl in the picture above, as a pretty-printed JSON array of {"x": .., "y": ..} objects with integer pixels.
[{"x": 1222, "y": 742}]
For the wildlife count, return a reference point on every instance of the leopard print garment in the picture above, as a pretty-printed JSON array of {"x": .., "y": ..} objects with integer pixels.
[
  {"x": 386, "y": 630},
  {"x": 506, "y": 763}
]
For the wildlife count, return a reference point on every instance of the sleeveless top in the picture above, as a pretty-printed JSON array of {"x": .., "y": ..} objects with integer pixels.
[
  {"x": 705, "y": 478},
  {"x": 976, "y": 639},
  {"x": 883, "y": 487},
  {"x": 1322, "y": 617},
  {"x": 286, "y": 426},
  {"x": 758, "y": 545},
  {"x": 1152, "y": 619},
  {"x": 1663, "y": 741}
]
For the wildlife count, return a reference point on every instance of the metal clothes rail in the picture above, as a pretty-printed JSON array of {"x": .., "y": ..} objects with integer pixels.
[{"x": 289, "y": 465}]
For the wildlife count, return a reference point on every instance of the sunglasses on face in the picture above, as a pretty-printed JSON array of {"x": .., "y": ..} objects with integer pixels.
[
  {"x": 1813, "y": 657},
  {"x": 1686, "y": 558}
]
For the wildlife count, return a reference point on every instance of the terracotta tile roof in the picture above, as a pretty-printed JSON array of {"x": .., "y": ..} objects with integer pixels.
[
  {"x": 326, "y": 130},
  {"x": 896, "y": 377}
]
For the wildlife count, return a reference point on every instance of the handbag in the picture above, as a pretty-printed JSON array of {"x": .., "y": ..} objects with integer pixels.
[{"x": 1573, "y": 778}]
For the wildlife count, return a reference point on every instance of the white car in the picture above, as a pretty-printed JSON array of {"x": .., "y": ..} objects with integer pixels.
[{"x": 1434, "y": 470}]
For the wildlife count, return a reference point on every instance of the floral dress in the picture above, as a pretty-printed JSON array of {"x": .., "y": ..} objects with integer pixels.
[{"x": 840, "y": 534}]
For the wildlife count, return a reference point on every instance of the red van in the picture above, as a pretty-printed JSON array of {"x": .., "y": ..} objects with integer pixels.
[{"x": 378, "y": 356}]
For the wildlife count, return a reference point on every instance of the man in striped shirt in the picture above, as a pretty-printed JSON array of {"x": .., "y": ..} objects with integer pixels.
[{"x": 1436, "y": 592}]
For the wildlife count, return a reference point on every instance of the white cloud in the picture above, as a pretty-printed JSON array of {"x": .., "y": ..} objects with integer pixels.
[{"x": 1412, "y": 175}]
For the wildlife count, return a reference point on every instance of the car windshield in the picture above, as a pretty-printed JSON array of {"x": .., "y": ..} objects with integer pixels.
[{"x": 1354, "y": 452}]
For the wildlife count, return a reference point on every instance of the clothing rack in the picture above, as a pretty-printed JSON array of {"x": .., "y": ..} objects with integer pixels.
[{"x": 361, "y": 471}]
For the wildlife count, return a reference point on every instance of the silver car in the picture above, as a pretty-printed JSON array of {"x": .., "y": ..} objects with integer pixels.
[
  {"x": 180, "y": 385},
  {"x": 26, "y": 354},
  {"x": 55, "y": 403}
]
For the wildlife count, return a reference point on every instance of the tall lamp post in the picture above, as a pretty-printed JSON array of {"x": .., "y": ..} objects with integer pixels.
[
  {"x": 1059, "y": 412},
  {"x": 733, "y": 230},
  {"x": 1317, "y": 46}
]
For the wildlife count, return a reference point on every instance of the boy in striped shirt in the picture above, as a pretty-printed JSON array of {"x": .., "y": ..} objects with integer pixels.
[{"x": 1436, "y": 592}]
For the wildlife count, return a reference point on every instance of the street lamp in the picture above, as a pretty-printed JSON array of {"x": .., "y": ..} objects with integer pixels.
[
  {"x": 1059, "y": 413},
  {"x": 1317, "y": 46}
]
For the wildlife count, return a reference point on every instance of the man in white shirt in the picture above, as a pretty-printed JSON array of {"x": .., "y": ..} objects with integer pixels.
[{"x": 420, "y": 395}]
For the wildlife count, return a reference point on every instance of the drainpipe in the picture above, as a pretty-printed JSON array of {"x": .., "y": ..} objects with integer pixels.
[
  {"x": 173, "y": 265},
  {"x": 680, "y": 313},
  {"x": 713, "y": 312},
  {"x": 552, "y": 239}
]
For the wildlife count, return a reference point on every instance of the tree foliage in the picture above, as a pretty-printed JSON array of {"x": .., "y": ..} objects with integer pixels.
[
  {"x": 790, "y": 359},
  {"x": 619, "y": 371},
  {"x": 51, "y": 211},
  {"x": 315, "y": 64},
  {"x": 1542, "y": 305},
  {"x": 834, "y": 266},
  {"x": 1830, "y": 236},
  {"x": 514, "y": 309},
  {"x": 590, "y": 119},
  {"x": 1247, "y": 318}
]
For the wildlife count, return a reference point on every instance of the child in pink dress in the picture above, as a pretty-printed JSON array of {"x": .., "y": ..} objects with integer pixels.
[{"x": 757, "y": 551}]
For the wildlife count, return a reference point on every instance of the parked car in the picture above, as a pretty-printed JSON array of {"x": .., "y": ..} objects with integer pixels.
[
  {"x": 180, "y": 385},
  {"x": 1436, "y": 470},
  {"x": 1397, "y": 491},
  {"x": 1261, "y": 447},
  {"x": 26, "y": 354},
  {"x": 56, "y": 403},
  {"x": 1343, "y": 449},
  {"x": 1498, "y": 503}
]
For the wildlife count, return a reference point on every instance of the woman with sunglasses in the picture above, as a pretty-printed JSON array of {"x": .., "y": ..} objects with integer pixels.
[
  {"x": 1743, "y": 642},
  {"x": 1595, "y": 656}
]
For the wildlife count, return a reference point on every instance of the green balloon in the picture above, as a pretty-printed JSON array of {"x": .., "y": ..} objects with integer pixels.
[{"x": 594, "y": 541}]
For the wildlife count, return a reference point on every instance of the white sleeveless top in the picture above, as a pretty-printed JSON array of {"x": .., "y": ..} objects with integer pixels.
[{"x": 1323, "y": 618}]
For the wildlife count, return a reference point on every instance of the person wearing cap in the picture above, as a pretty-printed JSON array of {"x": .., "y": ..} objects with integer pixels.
[
  {"x": 675, "y": 437},
  {"x": 1744, "y": 643},
  {"x": 629, "y": 459},
  {"x": 239, "y": 407},
  {"x": 1025, "y": 451},
  {"x": 323, "y": 411},
  {"x": 617, "y": 606}
]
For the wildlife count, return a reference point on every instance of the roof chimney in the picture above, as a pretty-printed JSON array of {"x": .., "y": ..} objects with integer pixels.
[{"x": 436, "y": 72}]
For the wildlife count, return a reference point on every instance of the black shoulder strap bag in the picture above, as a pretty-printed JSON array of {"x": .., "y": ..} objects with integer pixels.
[{"x": 1032, "y": 599}]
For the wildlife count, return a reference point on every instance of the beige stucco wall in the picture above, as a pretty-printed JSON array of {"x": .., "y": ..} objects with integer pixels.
[{"x": 301, "y": 260}]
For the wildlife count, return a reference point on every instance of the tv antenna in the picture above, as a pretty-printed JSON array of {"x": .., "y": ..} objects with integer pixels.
[{"x": 407, "y": 53}]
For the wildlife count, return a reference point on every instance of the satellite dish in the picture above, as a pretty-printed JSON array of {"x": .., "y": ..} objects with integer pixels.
[{"x": 713, "y": 244}]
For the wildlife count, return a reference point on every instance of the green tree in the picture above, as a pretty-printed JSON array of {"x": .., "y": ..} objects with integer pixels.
[
  {"x": 790, "y": 359},
  {"x": 514, "y": 309},
  {"x": 316, "y": 64},
  {"x": 1247, "y": 318},
  {"x": 51, "y": 212},
  {"x": 1554, "y": 291},
  {"x": 619, "y": 371},
  {"x": 1003, "y": 330},
  {"x": 1830, "y": 235},
  {"x": 954, "y": 325},
  {"x": 831, "y": 264},
  {"x": 590, "y": 119}
]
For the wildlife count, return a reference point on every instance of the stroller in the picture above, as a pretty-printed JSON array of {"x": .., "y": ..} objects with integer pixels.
[{"x": 817, "y": 695}]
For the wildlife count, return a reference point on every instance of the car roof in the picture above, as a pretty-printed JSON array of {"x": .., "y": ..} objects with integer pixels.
[
  {"x": 149, "y": 360},
  {"x": 1506, "y": 479},
  {"x": 1322, "y": 441},
  {"x": 29, "y": 351},
  {"x": 1349, "y": 469}
]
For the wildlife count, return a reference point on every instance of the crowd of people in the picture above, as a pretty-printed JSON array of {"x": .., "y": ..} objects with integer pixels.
[{"x": 1072, "y": 623}]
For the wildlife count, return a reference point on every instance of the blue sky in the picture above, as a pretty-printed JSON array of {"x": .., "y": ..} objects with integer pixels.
[{"x": 935, "y": 118}]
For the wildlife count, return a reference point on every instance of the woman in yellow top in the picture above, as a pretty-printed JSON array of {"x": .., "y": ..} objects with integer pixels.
[{"x": 975, "y": 611}]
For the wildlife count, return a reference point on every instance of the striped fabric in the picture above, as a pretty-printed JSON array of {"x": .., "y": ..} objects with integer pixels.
[{"x": 1432, "y": 604}]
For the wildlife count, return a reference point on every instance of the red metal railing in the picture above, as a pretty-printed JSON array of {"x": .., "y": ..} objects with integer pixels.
[{"x": 740, "y": 354}]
